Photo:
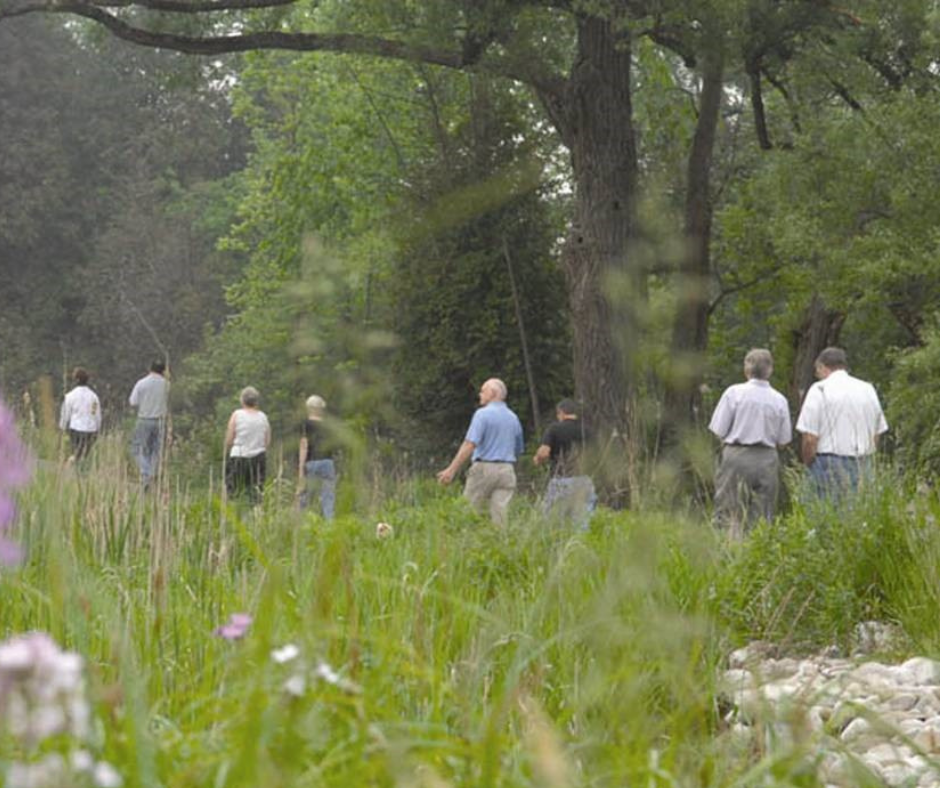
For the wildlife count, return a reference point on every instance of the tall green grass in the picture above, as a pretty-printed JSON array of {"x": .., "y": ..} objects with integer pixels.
[{"x": 533, "y": 656}]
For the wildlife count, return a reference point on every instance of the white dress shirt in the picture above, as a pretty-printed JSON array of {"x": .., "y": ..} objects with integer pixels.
[
  {"x": 844, "y": 413},
  {"x": 81, "y": 411},
  {"x": 752, "y": 414}
]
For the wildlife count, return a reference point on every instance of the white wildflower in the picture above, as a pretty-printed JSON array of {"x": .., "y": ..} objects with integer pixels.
[
  {"x": 285, "y": 654},
  {"x": 326, "y": 673},
  {"x": 45, "y": 721},
  {"x": 106, "y": 776},
  {"x": 50, "y": 772},
  {"x": 295, "y": 685},
  {"x": 82, "y": 761},
  {"x": 384, "y": 531}
]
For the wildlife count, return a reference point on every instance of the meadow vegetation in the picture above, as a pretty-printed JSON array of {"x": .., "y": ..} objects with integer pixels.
[{"x": 450, "y": 653}]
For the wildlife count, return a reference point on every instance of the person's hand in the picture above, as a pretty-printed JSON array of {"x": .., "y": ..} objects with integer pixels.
[{"x": 446, "y": 476}]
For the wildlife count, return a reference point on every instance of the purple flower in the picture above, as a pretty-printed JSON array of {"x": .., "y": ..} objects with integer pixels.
[
  {"x": 11, "y": 554},
  {"x": 235, "y": 628},
  {"x": 15, "y": 470}
]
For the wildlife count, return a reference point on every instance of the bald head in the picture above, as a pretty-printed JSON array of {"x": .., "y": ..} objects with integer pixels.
[{"x": 493, "y": 390}]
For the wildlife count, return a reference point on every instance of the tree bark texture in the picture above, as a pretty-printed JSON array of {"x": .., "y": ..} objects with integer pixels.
[
  {"x": 605, "y": 284},
  {"x": 819, "y": 329},
  {"x": 690, "y": 327}
]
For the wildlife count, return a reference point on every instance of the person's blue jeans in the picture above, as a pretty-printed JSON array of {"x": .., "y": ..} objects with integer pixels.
[
  {"x": 833, "y": 476},
  {"x": 148, "y": 441},
  {"x": 321, "y": 478},
  {"x": 572, "y": 498}
]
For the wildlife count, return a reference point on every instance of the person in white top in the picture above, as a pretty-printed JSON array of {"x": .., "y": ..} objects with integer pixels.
[
  {"x": 80, "y": 416},
  {"x": 840, "y": 422},
  {"x": 752, "y": 421},
  {"x": 247, "y": 438}
]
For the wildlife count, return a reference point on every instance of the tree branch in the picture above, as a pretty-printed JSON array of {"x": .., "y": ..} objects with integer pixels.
[
  {"x": 348, "y": 43},
  {"x": 757, "y": 106}
]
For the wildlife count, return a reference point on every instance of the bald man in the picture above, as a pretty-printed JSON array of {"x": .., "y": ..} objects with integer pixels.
[{"x": 493, "y": 442}]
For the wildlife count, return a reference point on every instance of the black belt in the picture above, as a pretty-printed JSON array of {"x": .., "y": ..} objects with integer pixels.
[
  {"x": 750, "y": 445},
  {"x": 495, "y": 462}
]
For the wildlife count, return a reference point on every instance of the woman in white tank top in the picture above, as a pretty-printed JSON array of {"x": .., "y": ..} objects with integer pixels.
[{"x": 246, "y": 440}]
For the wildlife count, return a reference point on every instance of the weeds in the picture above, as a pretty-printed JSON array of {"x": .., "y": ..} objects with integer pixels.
[{"x": 530, "y": 656}]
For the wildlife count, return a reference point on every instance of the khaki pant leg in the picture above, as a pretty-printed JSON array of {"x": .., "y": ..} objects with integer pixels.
[
  {"x": 764, "y": 482},
  {"x": 729, "y": 499},
  {"x": 477, "y": 488},
  {"x": 504, "y": 485}
]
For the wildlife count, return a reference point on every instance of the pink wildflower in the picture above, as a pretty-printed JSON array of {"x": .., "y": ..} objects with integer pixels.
[{"x": 235, "y": 628}]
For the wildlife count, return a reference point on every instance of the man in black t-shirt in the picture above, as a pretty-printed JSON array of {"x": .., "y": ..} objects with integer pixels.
[{"x": 570, "y": 493}]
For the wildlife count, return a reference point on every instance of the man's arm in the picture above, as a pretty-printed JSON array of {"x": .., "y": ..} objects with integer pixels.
[
  {"x": 302, "y": 458},
  {"x": 134, "y": 399},
  {"x": 810, "y": 443},
  {"x": 463, "y": 454},
  {"x": 542, "y": 454}
]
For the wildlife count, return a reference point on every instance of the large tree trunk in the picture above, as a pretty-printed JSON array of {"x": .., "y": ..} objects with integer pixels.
[
  {"x": 605, "y": 282},
  {"x": 819, "y": 329},
  {"x": 690, "y": 328}
]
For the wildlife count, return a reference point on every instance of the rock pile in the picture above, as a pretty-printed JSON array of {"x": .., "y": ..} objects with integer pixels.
[{"x": 862, "y": 718}]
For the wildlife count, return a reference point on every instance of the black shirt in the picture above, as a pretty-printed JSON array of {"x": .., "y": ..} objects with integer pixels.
[
  {"x": 317, "y": 441},
  {"x": 566, "y": 439}
]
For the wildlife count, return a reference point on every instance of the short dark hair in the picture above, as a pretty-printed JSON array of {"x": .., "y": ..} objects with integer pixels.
[
  {"x": 569, "y": 407},
  {"x": 158, "y": 366},
  {"x": 833, "y": 358},
  {"x": 81, "y": 376}
]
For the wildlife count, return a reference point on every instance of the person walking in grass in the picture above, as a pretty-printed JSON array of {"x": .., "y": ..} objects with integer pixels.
[
  {"x": 150, "y": 396},
  {"x": 570, "y": 493},
  {"x": 840, "y": 422},
  {"x": 80, "y": 416},
  {"x": 247, "y": 438},
  {"x": 316, "y": 467},
  {"x": 752, "y": 421},
  {"x": 493, "y": 442}
]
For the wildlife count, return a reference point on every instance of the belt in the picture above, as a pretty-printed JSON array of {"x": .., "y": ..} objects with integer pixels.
[
  {"x": 842, "y": 456},
  {"x": 495, "y": 462},
  {"x": 750, "y": 445},
  {"x": 150, "y": 418}
]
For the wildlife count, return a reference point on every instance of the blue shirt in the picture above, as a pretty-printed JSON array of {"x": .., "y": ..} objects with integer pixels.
[{"x": 496, "y": 434}]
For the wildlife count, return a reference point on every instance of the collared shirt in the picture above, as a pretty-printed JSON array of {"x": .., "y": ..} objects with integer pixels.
[
  {"x": 752, "y": 414},
  {"x": 81, "y": 411},
  {"x": 496, "y": 434},
  {"x": 844, "y": 413},
  {"x": 150, "y": 395}
]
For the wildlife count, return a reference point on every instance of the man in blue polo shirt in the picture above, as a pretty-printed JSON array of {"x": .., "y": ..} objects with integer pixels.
[{"x": 493, "y": 442}]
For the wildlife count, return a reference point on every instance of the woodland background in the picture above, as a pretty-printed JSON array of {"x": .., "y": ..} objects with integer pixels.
[{"x": 387, "y": 232}]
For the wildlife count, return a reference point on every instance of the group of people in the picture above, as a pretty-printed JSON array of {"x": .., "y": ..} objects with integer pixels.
[
  {"x": 493, "y": 443},
  {"x": 839, "y": 422},
  {"x": 247, "y": 437},
  {"x": 80, "y": 418}
]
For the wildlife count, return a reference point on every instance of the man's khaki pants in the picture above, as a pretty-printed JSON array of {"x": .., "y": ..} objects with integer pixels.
[
  {"x": 746, "y": 487},
  {"x": 490, "y": 486}
]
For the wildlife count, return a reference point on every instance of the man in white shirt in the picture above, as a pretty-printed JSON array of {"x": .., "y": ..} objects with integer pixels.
[
  {"x": 150, "y": 396},
  {"x": 752, "y": 421},
  {"x": 840, "y": 422},
  {"x": 80, "y": 416}
]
